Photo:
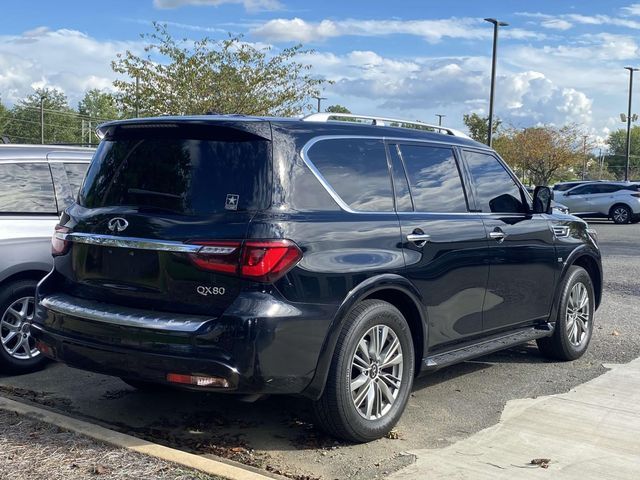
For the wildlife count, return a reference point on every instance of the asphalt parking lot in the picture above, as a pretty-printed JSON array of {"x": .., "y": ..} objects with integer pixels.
[{"x": 277, "y": 434}]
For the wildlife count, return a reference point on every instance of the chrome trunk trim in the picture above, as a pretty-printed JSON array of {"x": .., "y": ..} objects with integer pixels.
[{"x": 129, "y": 242}]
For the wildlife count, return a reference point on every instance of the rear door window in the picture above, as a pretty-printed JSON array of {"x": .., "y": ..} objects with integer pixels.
[
  {"x": 26, "y": 188},
  {"x": 356, "y": 169},
  {"x": 75, "y": 174},
  {"x": 434, "y": 179},
  {"x": 187, "y": 171},
  {"x": 495, "y": 190}
]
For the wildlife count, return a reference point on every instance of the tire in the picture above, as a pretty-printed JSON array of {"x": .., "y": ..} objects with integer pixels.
[
  {"x": 620, "y": 214},
  {"x": 17, "y": 348},
  {"x": 336, "y": 411},
  {"x": 564, "y": 344}
]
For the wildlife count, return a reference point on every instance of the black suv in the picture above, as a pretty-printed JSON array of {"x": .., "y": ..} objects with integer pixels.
[{"x": 314, "y": 257}]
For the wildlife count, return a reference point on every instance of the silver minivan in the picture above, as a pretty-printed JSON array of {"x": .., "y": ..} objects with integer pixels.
[{"x": 37, "y": 182}]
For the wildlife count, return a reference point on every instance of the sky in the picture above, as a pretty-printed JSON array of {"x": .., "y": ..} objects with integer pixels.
[{"x": 558, "y": 61}]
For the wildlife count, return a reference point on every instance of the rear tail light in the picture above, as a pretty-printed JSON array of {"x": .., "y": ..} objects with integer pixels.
[
  {"x": 59, "y": 246},
  {"x": 262, "y": 261},
  {"x": 198, "y": 380}
]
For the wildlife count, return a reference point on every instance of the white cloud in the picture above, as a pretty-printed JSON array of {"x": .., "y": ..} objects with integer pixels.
[
  {"x": 65, "y": 59},
  {"x": 299, "y": 30},
  {"x": 556, "y": 24},
  {"x": 633, "y": 9},
  {"x": 249, "y": 5},
  {"x": 567, "y": 20}
]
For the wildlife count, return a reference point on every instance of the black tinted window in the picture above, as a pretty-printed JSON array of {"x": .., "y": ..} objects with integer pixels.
[
  {"x": 26, "y": 188},
  {"x": 584, "y": 190},
  {"x": 183, "y": 171},
  {"x": 434, "y": 179},
  {"x": 357, "y": 170},
  {"x": 495, "y": 190}
]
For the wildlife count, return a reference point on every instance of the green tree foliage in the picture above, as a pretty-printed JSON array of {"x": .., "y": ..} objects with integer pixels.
[
  {"x": 479, "y": 126},
  {"x": 4, "y": 119},
  {"x": 616, "y": 160},
  {"x": 98, "y": 105},
  {"x": 542, "y": 153},
  {"x": 337, "y": 109},
  {"x": 60, "y": 123},
  {"x": 227, "y": 76}
]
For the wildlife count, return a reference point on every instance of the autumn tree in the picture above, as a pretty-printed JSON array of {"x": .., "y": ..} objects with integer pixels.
[
  {"x": 479, "y": 126},
  {"x": 226, "y": 76},
  {"x": 542, "y": 152}
]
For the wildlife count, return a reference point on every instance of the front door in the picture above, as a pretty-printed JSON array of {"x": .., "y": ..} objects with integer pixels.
[
  {"x": 523, "y": 262},
  {"x": 444, "y": 245}
]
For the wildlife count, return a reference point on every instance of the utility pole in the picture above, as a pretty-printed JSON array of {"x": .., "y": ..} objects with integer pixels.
[
  {"x": 319, "y": 99},
  {"x": 584, "y": 156},
  {"x": 42, "y": 120},
  {"x": 137, "y": 93},
  {"x": 628, "y": 149},
  {"x": 440, "y": 117},
  {"x": 496, "y": 24}
]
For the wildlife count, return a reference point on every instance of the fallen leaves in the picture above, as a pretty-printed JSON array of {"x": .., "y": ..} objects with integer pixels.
[{"x": 540, "y": 462}]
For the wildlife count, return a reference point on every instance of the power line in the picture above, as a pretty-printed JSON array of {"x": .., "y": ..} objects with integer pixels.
[{"x": 73, "y": 114}]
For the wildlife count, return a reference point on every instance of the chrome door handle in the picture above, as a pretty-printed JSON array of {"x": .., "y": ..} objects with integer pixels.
[
  {"x": 419, "y": 239},
  {"x": 499, "y": 236}
]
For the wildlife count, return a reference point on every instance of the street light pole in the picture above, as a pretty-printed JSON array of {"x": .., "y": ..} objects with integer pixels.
[
  {"x": 319, "y": 99},
  {"x": 628, "y": 149},
  {"x": 440, "y": 117},
  {"x": 496, "y": 24},
  {"x": 584, "y": 156},
  {"x": 42, "y": 120}
]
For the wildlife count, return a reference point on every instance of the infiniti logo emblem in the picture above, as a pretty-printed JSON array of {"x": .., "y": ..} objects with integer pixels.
[{"x": 117, "y": 224}]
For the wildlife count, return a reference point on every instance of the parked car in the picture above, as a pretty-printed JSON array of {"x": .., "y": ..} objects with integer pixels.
[
  {"x": 310, "y": 257},
  {"x": 619, "y": 201},
  {"x": 36, "y": 183}
]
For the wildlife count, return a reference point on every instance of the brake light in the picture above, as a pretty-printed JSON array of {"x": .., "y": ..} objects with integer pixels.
[
  {"x": 262, "y": 260},
  {"x": 59, "y": 246}
]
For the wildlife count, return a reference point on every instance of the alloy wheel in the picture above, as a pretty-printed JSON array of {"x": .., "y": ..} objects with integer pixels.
[
  {"x": 577, "y": 323},
  {"x": 376, "y": 372},
  {"x": 620, "y": 215},
  {"x": 14, "y": 329}
]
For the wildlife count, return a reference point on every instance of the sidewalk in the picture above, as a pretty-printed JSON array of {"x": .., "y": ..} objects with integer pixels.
[{"x": 591, "y": 432}]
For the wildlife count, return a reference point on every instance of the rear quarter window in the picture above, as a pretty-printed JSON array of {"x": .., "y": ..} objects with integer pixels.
[{"x": 26, "y": 188}]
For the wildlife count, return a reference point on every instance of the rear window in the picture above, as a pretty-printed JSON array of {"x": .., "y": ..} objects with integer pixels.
[
  {"x": 184, "y": 171},
  {"x": 26, "y": 188}
]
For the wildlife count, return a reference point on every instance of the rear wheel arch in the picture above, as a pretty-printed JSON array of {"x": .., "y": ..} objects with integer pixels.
[{"x": 35, "y": 275}]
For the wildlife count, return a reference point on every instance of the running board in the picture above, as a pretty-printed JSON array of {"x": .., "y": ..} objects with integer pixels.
[{"x": 485, "y": 347}]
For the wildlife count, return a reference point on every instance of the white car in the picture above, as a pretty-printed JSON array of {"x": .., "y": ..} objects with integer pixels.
[{"x": 619, "y": 201}]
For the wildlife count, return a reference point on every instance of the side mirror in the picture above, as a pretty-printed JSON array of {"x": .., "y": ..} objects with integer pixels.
[{"x": 542, "y": 197}]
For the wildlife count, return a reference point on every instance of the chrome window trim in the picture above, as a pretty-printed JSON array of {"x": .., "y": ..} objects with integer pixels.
[
  {"x": 123, "y": 316},
  {"x": 129, "y": 242},
  {"x": 341, "y": 203}
]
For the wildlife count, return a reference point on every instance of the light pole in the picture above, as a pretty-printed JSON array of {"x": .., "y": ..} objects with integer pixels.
[
  {"x": 319, "y": 99},
  {"x": 628, "y": 149},
  {"x": 440, "y": 117},
  {"x": 584, "y": 156},
  {"x": 42, "y": 120},
  {"x": 496, "y": 24}
]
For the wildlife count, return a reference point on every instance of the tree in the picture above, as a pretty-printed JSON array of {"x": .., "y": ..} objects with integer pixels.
[
  {"x": 61, "y": 124},
  {"x": 479, "y": 126},
  {"x": 541, "y": 152},
  {"x": 227, "y": 76},
  {"x": 617, "y": 160},
  {"x": 337, "y": 109},
  {"x": 4, "y": 119},
  {"x": 98, "y": 105}
]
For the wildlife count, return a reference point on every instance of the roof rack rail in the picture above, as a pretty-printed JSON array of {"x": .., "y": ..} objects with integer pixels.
[{"x": 381, "y": 121}]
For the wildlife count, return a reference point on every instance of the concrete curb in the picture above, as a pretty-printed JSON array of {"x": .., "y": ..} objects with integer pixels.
[{"x": 121, "y": 440}]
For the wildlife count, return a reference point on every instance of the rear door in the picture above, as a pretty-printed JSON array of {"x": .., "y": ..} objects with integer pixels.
[
  {"x": 579, "y": 199},
  {"x": 444, "y": 244},
  {"x": 523, "y": 263},
  {"x": 154, "y": 196}
]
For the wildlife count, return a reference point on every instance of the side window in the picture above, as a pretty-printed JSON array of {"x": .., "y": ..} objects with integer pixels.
[
  {"x": 403, "y": 196},
  {"x": 357, "y": 170},
  {"x": 434, "y": 179},
  {"x": 26, "y": 188},
  {"x": 495, "y": 190},
  {"x": 75, "y": 174},
  {"x": 584, "y": 190}
]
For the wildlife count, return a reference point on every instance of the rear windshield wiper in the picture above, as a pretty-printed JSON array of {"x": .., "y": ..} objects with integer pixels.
[{"x": 140, "y": 191}]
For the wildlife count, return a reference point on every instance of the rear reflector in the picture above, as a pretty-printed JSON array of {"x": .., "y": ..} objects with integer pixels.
[
  {"x": 45, "y": 349},
  {"x": 59, "y": 246},
  {"x": 198, "y": 380},
  {"x": 262, "y": 261}
]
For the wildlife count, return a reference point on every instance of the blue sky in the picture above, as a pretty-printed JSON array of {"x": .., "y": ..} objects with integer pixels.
[{"x": 559, "y": 61}]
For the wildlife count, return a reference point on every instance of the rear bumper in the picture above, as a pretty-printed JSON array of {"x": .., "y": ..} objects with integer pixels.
[{"x": 260, "y": 345}]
